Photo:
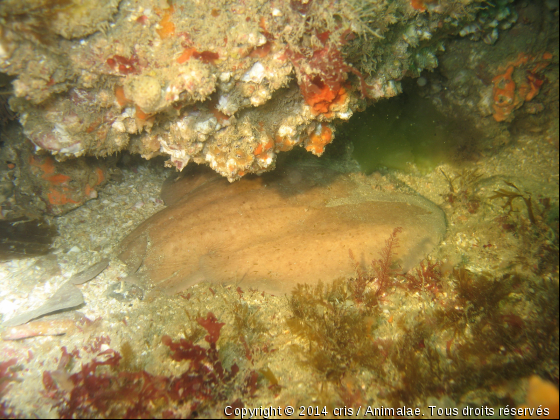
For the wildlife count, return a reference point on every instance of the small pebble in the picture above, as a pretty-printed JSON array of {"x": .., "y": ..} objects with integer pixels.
[{"x": 124, "y": 291}]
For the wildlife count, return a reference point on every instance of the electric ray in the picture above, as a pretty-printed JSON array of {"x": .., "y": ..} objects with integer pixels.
[{"x": 271, "y": 232}]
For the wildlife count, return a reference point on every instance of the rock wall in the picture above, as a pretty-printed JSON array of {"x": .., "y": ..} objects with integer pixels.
[{"x": 227, "y": 84}]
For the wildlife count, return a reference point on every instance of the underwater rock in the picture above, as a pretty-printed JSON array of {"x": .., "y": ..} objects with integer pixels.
[
  {"x": 66, "y": 297},
  {"x": 229, "y": 87},
  {"x": 125, "y": 291},
  {"x": 22, "y": 238},
  {"x": 37, "y": 184},
  {"x": 296, "y": 225}
]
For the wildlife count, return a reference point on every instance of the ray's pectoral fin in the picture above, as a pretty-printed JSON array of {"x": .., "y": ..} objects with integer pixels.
[
  {"x": 180, "y": 280},
  {"x": 219, "y": 267},
  {"x": 416, "y": 252},
  {"x": 134, "y": 253},
  {"x": 171, "y": 269},
  {"x": 275, "y": 232}
]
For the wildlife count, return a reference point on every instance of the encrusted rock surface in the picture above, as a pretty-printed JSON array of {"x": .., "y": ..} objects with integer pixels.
[
  {"x": 232, "y": 85},
  {"x": 224, "y": 84}
]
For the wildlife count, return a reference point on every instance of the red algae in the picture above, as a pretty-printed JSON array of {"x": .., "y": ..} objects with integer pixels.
[
  {"x": 207, "y": 57},
  {"x": 123, "y": 65},
  {"x": 427, "y": 276},
  {"x": 104, "y": 388},
  {"x": 322, "y": 75},
  {"x": 381, "y": 272},
  {"x": 6, "y": 374}
]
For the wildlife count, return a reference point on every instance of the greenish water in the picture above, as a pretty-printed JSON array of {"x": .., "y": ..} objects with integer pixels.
[{"x": 403, "y": 130}]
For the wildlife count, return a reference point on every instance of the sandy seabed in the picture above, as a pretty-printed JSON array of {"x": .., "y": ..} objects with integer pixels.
[{"x": 478, "y": 238}]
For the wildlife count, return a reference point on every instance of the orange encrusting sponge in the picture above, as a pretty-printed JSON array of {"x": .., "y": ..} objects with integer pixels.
[
  {"x": 167, "y": 28},
  {"x": 541, "y": 394},
  {"x": 506, "y": 96},
  {"x": 319, "y": 139},
  {"x": 321, "y": 97},
  {"x": 59, "y": 191}
]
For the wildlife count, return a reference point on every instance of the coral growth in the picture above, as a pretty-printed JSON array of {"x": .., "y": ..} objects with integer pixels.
[{"x": 141, "y": 78}]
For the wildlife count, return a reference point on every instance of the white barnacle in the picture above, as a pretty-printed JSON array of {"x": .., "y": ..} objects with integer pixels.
[
  {"x": 286, "y": 131},
  {"x": 255, "y": 74},
  {"x": 345, "y": 115},
  {"x": 207, "y": 126},
  {"x": 119, "y": 126}
]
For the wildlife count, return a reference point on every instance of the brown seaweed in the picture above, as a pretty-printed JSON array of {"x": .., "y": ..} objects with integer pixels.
[{"x": 509, "y": 196}]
